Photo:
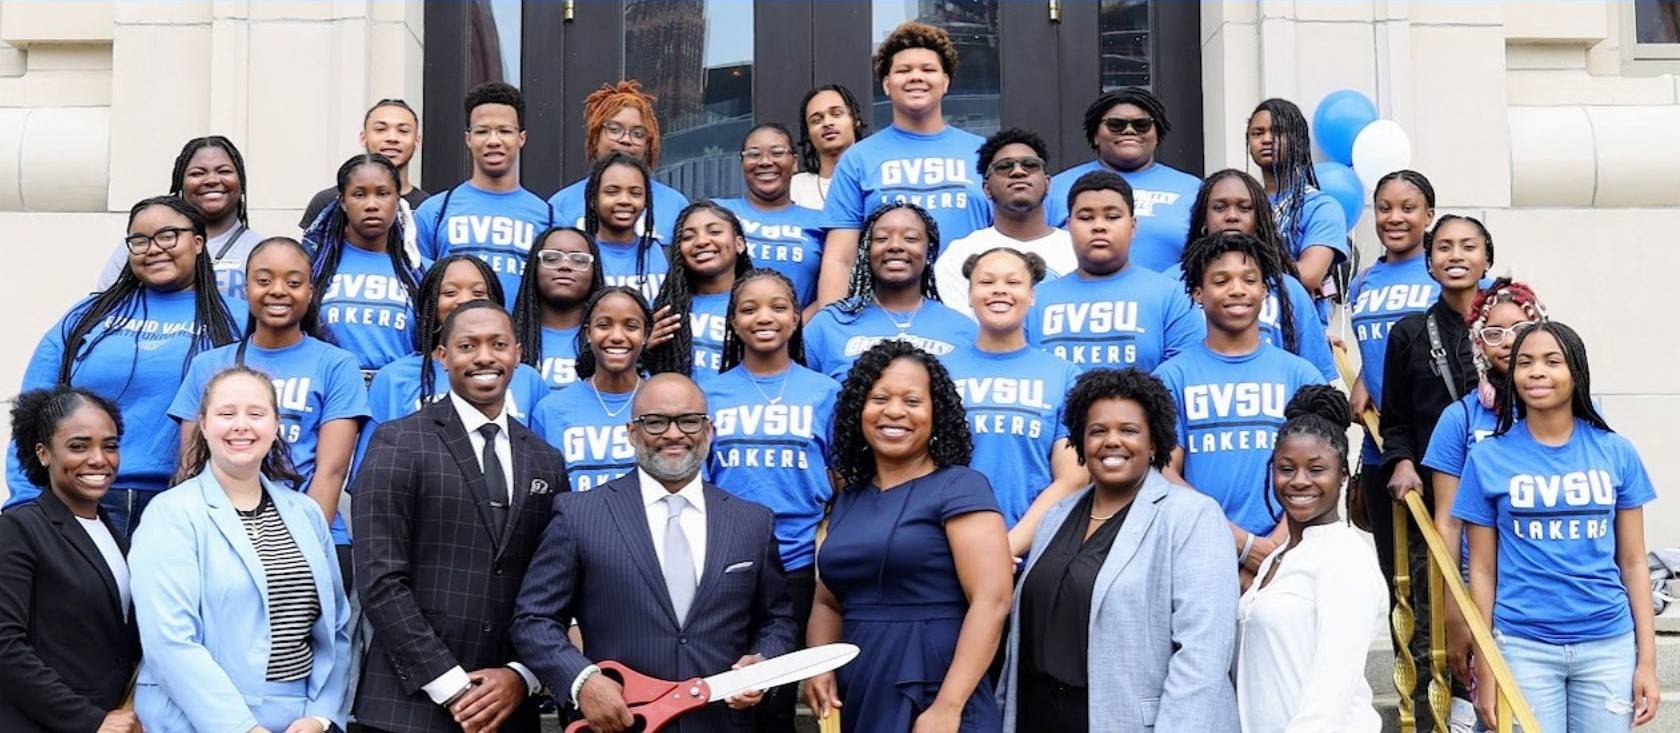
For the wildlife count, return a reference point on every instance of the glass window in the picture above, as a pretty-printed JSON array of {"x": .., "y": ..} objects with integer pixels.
[
  {"x": 1657, "y": 21},
  {"x": 972, "y": 102},
  {"x": 493, "y": 41},
  {"x": 1123, "y": 36},
  {"x": 696, "y": 58}
]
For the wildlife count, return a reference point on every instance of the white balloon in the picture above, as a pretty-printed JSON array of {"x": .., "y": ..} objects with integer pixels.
[{"x": 1380, "y": 149}]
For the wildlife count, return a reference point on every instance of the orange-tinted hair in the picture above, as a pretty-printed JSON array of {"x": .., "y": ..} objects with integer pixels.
[{"x": 605, "y": 102}]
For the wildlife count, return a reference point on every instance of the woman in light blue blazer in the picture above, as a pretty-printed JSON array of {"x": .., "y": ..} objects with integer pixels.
[
  {"x": 243, "y": 621},
  {"x": 1125, "y": 616}
]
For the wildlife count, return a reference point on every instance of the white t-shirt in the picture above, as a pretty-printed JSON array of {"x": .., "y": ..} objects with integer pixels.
[
  {"x": 1056, "y": 248},
  {"x": 114, "y": 559},
  {"x": 809, "y": 190}
]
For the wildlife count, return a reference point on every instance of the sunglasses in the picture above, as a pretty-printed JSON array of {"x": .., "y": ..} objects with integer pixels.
[
  {"x": 1005, "y": 166},
  {"x": 1119, "y": 125}
]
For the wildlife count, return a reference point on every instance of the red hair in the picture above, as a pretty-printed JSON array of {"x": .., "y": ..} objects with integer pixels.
[{"x": 604, "y": 103}]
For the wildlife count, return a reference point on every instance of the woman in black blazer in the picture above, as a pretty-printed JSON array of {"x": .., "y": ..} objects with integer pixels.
[{"x": 67, "y": 646}]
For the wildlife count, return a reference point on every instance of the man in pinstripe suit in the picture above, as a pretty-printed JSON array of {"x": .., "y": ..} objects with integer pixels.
[
  {"x": 668, "y": 575},
  {"x": 450, "y": 502}
]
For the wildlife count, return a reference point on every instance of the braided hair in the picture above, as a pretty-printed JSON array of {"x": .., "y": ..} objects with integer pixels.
[
  {"x": 1132, "y": 384},
  {"x": 1136, "y": 96},
  {"x": 326, "y": 237},
  {"x": 586, "y": 352},
  {"x": 428, "y": 325},
  {"x": 677, "y": 294},
  {"x": 1265, "y": 226},
  {"x": 309, "y": 325},
  {"x": 529, "y": 304},
  {"x": 592, "y": 212},
  {"x": 809, "y": 159},
  {"x": 1292, "y": 165},
  {"x": 36, "y": 415},
  {"x": 276, "y": 464},
  {"x": 861, "y": 291},
  {"x": 124, "y": 301},
  {"x": 853, "y": 459},
  {"x": 1511, "y": 408},
  {"x": 1418, "y": 181},
  {"x": 600, "y": 107},
  {"x": 1201, "y": 253},
  {"x": 734, "y": 349},
  {"x": 1317, "y": 411},
  {"x": 1503, "y": 290},
  {"x": 178, "y": 178}
]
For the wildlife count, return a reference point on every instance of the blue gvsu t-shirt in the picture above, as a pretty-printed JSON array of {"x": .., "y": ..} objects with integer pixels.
[
  {"x": 708, "y": 323},
  {"x": 789, "y": 241},
  {"x": 138, "y": 366},
  {"x": 1382, "y": 295},
  {"x": 935, "y": 172},
  {"x": 1162, "y": 197},
  {"x": 619, "y": 265},
  {"x": 591, "y": 429},
  {"x": 366, "y": 309},
  {"x": 1311, "y": 342},
  {"x": 559, "y": 357},
  {"x": 771, "y": 446},
  {"x": 1554, "y": 508},
  {"x": 1131, "y": 318},
  {"x": 314, "y": 382},
  {"x": 1014, "y": 403},
  {"x": 667, "y": 203},
  {"x": 495, "y": 227},
  {"x": 1229, "y": 412},
  {"x": 835, "y": 339}
]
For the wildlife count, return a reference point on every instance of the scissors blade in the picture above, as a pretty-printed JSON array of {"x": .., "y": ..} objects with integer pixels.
[{"x": 781, "y": 670}]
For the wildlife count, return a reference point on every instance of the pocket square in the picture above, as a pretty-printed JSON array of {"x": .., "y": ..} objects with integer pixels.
[
  {"x": 738, "y": 567},
  {"x": 539, "y": 486}
]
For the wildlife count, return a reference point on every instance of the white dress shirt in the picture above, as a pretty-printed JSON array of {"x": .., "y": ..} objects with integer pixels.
[
  {"x": 456, "y": 679},
  {"x": 108, "y": 549},
  {"x": 1056, "y": 248},
  {"x": 1302, "y": 639},
  {"x": 692, "y": 520}
]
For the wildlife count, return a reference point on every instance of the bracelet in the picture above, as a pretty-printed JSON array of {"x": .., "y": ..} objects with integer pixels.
[
  {"x": 458, "y": 695},
  {"x": 1248, "y": 547},
  {"x": 583, "y": 677}
]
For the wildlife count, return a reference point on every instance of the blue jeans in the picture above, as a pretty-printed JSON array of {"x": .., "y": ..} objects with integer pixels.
[
  {"x": 1579, "y": 688},
  {"x": 124, "y": 507}
]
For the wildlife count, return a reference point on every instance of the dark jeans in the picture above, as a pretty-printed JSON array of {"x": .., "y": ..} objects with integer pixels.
[
  {"x": 1052, "y": 706},
  {"x": 775, "y": 713},
  {"x": 124, "y": 507}
]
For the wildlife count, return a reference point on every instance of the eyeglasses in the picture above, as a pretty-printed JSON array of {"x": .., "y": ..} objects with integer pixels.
[
  {"x": 753, "y": 155},
  {"x": 1119, "y": 125},
  {"x": 617, "y": 131},
  {"x": 166, "y": 239},
  {"x": 689, "y": 423},
  {"x": 1005, "y": 166},
  {"x": 1498, "y": 335},
  {"x": 483, "y": 133},
  {"x": 553, "y": 259}
]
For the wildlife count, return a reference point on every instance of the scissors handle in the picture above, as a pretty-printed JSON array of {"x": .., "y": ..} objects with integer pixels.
[{"x": 654, "y": 702}]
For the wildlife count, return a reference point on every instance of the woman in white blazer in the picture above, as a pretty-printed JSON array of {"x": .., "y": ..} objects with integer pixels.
[{"x": 243, "y": 620}]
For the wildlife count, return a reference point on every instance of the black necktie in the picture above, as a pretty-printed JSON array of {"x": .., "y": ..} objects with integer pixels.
[{"x": 494, "y": 480}]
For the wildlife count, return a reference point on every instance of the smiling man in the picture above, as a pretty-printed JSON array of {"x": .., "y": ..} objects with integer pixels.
[{"x": 450, "y": 502}]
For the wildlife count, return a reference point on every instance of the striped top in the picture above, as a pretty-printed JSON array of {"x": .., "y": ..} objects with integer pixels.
[{"x": 293, "y": 605}]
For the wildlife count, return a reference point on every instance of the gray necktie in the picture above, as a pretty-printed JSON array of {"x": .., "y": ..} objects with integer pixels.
[{"x": 679, "y": 558}]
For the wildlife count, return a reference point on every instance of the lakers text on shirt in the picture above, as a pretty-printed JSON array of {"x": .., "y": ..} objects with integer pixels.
[
  {"x": 1587, "y": 500},
  {"x": 1005, "y": 405},
  {"x": 1234, "y": 416},
  {"x": 743, "y": 431}
]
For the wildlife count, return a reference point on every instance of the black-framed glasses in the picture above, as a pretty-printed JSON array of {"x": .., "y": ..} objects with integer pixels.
[
  {"x": 166, "y": 239},
  {"x": 553, "y": 259},
  {"x": 1006, "y": 166},
  {"x": 689, "y": 423},
  {"x": 1498, "y": 335},
  {"x": 774, "y": 152},
  {"x": 1119, "y": 125},
  {"x": 617, "y": 131}
]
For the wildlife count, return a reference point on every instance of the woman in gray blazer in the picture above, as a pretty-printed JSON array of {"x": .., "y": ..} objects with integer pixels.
[{"x": 1126, "y": 612}]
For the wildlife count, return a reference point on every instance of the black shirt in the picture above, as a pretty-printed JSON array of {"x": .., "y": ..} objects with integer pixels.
[
  {"x": 1414, "y": 395},
  {"x": 327, "y": 195},
  {"x": 1056, "y": 596}
]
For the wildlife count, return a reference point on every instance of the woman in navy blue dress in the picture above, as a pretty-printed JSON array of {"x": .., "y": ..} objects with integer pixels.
[{"x": 916, "y": 568}]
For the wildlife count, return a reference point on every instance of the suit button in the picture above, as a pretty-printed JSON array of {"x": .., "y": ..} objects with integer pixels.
[
  {"x": 487, "y": 626},
  {"x": 682, "y": 640},
  {"x": 497, "y": 568}
]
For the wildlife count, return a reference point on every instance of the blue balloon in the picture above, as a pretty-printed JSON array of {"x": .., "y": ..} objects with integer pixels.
[
  {"x": 1343, "y": 185},
  {"x": 1338, "y": 120}
]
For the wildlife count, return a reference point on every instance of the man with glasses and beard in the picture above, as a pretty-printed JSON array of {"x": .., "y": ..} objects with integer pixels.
[{"x": 670, "y": 576}]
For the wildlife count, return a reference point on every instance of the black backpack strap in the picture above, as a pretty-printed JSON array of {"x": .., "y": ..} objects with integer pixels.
[
  {"x": 1438, "y": 354},
  {"x": 437, "y": 222}
]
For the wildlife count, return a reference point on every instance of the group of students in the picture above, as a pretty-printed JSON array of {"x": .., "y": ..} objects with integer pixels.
[{"x": 924, "y": 353}]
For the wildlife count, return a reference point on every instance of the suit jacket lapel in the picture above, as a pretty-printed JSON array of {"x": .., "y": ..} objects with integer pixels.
[
  {"x": 523, "y": 470},
  {"x": 720, "y": 537},
  {"x": 631, "y": 516},
  {"x": 1130, "y": 540},
  {"x": 79, "y": 539},
  {"x": 233, "y": 530},
  {"x": 454, "y": 435}
]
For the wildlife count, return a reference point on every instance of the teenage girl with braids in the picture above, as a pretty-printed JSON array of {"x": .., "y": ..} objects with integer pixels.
[
  {"x": 1110, "y": 312},
  {"x": 589, "y": 420},
  {"x": 1396, "y": 285},
  {"x": 780, "y": 233},
  {"x": 830, "y": 122},
  {"x": 619, "y": 118},
  {"x": 1305, "y": 627},
  {"x": 132, "y": 342},
  {"x": 711, "y": 255},
  {"x": 1231, "y": 390},
  {"x": 1499, "y": 313},
  {"x": 402, "y": 386},
  {"x": 321, "y": 395},
  {"x": 772, "y": 418},
  {"x": 618, "y": 190},
  {"x": 892, "y": 296},
  {"x": 362, "y": 274},
  {"x": 209, "y": 174},
  {"x": 563, "y": 270},
  {"x": 1309, "y": 220},
  {"x": 1232, "y": 201},
  {"x": 1553, "y": 502}
]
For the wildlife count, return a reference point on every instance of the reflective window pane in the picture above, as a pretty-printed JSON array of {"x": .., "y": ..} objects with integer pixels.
[
  {"x": 1123, "y": 37},
  {"x": 493, "y": 41},
  {"x": 1657, "y": 21},
  {"x": 696, "y": 58},
  {"x": 972, "y": 102}
]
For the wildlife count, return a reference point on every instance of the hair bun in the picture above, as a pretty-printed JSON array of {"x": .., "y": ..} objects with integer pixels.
[{"x": 1323, "y": 401}]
